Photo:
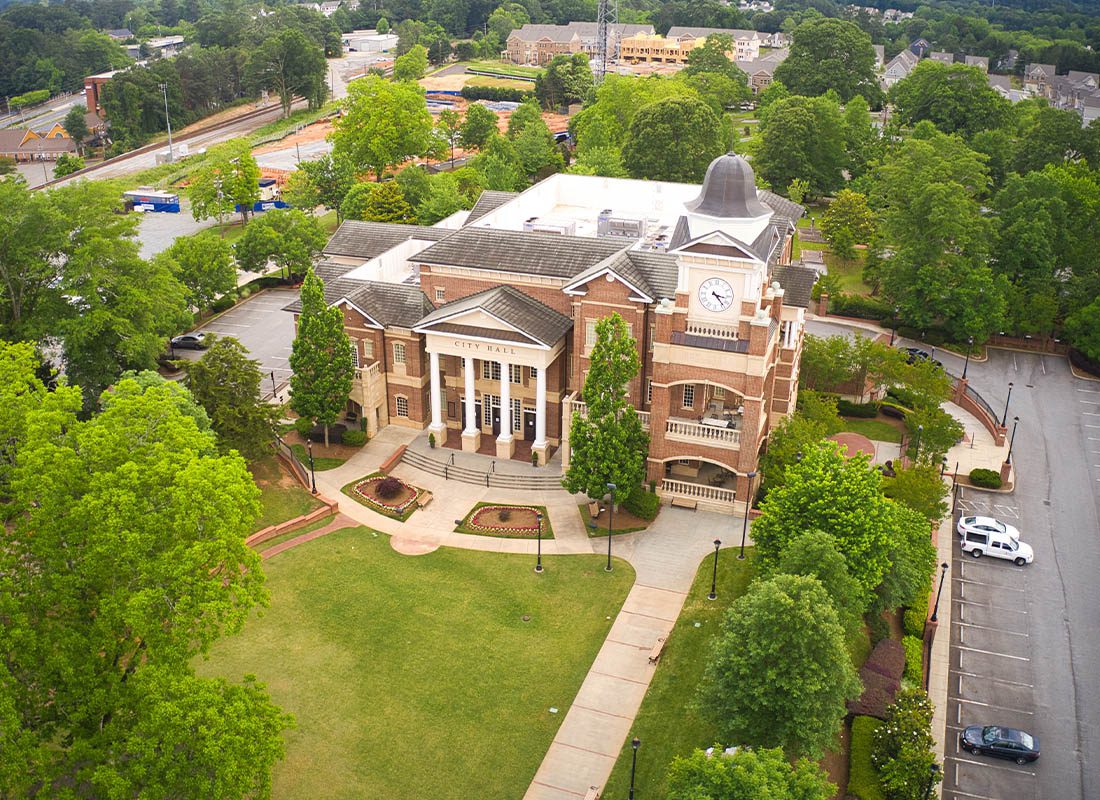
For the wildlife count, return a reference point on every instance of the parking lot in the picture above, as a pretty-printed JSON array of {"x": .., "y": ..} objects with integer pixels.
[
  {"x": 991, "y": 677},
  {"x": 264, "y": 329}
]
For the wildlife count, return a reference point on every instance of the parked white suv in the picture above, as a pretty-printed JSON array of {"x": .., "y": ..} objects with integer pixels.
[{"x": 998, "y": 545}]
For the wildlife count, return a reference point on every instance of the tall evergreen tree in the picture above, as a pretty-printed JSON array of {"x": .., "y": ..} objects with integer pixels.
[
  {"x": 320, "y": 358},
  {"x": 608, "y": 444}
]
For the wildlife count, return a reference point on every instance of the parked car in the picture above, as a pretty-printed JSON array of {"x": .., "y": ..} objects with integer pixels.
[
  {"x": 986, "y": 525},
  {"x": 998, "y": 545},
  {"x": 993, "y": 740},
  {"x": 915, "y": 354},
  {"x": 192, "y": 341}
]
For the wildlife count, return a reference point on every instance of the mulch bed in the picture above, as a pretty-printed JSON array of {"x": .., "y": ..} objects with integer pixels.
[
  {"x": 510, "y": 521},
  {"x": 369, "y": 490},
  {"x": 624, "y": 521}
]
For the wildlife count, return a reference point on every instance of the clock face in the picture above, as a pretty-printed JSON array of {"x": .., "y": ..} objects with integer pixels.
[{"x": 715, "y": 294}]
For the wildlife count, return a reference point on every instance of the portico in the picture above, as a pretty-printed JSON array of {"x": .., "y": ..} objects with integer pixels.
[{"x": 494, "y": 369}]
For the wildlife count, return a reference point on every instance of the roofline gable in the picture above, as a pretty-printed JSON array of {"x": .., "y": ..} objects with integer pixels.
[
  {"x": 459, "y": 313},
  {"x": 343, "y": 301},
  {"x": 639, "y": 294}
]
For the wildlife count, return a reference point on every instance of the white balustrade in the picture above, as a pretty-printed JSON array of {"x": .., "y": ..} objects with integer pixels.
[
  {"x": 713, "y": 330},
  {"x": 580, "y": 408},
  {"x": 697, "y": 491},
  {"x": 694, "y": 432}
]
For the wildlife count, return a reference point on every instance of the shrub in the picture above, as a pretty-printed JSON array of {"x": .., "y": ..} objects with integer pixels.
[
  {"x": 893, "y": 410},
  {"x": 931, "y": 336},
  {"x": 355, "y": 438},
  {"x": 852, "y": 305},
  {"x": 985, "y": 478},
  {"x": 303, "y": 425},
  {"x": 224, "y": 303},
  {"x": 389, "y": 488},
  {"x": 914, "y": 655},
  {"x": 879, "y": 628},
  {"x": 847, "y": 408},
  {"x": 914, "y": 618},
  {"x": 863, "y": 780},
  {"x": 244, "y": 291},
  {"x": 878, "y": 694},
  {"x": 505, "y": 514},
  {"x": 901, "y": 749},
  {"x": 888, "y": 658},
  {"x": 642, "y": 504},
  {"x": 497, "y": 93}
]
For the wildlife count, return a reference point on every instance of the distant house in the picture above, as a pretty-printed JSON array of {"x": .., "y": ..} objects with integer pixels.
[
  {"x": 120, "y": 34},
  {"x": 943, "y": 58},
  {"x": 899, "y": 68},
  {"x": 25, "y": 144},
  {"x": 536, "y": 45},
  {"x": 761, "y": 72},
  {"x": 1037, "y": 77},
  {"x": 1075, "y": 91},
  {"x": 776, "y": 40},
  {"x": 919, "y": 47},
  {"x": 746, "y": 44},
  {"x": 615, "y": 35},
  {"x": 981, "y": 62}
]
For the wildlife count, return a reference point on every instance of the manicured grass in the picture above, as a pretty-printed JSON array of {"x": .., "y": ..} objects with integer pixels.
[
  {"x": 320, "y": 463},
  {"x": 329, "y": 221},
  {"x": 503, "y": 83},
  {"x": 465, "y": 527},
  {"x": 317, "y": 523},
  {"x": 877, "y": 429},
  {"x": 849, "y": 273},
  {"x": 601, "y": 523},
  {"x": 281, "y": 496},
  {"x": 668, "y": 724},
  {"x": 414, "y": 677},
  {"x": 503, "y": 68},
  {"x": 349, "y": 490},
  {"x": 230, "y": 231}
]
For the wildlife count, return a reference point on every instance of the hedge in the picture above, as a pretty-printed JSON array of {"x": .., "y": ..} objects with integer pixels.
[
  {"x": 914, "y": 619},
  {"x": 854, "y": 305},
  {"x": 1083, "y": 362},
  {"x": 985, "y": 478},
  {"x": 863, "y": 782},
  {"x": 642, "y": 504},
  {"x": 932, "y": 336},
  {"x": 914, "y": 668},
  {"x": 497, "y": 93},
  {"x": 846, "y": 408},
  {"x": 355, "y": 438}
]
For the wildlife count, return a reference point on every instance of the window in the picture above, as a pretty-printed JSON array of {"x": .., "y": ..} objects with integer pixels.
[
  {"x": 517, "y": 416},
  {"x": 354, "y": 354},
  {"x": 488, "y": 401},
  {"x": 515, "y": 373},
  {"x": 649, "y": 391},
  {"x": 719, "y": 393},
  {"x": 402, "y": 404},
  {"x": 589, "y": 335},
  {"x": 368, "y": 350},
  {"x": 652, "y": 335},
  {"x": 399, "y": 353},
  {"x": 440, "y": 294},
  {"x": 490, "y": 370},
  {"x": 533, "y": 373},
  {"x": 689, "y": 396}
]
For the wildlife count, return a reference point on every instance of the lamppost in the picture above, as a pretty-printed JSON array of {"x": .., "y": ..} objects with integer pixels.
[
  {"x": 538, "y": 562},
  {"x": 936, "y": 607},
  {"x": 635, "y": 743},
  {"x": 714, "y": 575},
  {"x": 1004, "y": 417},
  {"x": 745, "y": 524},
  {"x": 916, "y": 443},
  {"x": 168, "y": 122},
  {"x": 894, "y": 327},
  {"x": 933, "y": 771},
  {"x": 610, "y": 516},
  {"x": 312, "y": 472},
  {"x": 966, "y": 364},
  {"x": 273, "y": 393},
  {"x": 1012, "y": 439}
]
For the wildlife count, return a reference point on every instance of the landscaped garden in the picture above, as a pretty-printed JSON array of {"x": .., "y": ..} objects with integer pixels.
[
  {"x": 385, "y": 494},
  {"x": 281, "y": 496},
  {"x": 431, "y": 676},
  {"x": 623, "y": 521},
  {"x": 507, "y": 521}
]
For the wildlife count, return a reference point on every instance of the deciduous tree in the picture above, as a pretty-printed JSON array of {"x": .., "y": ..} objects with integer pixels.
[
  {"x": 288, "y": 63},
  {"x": 607, "y": 442},
  {"x": 674, "y": 139},
  {"x": 384, "y": 124},
  {"x": 802, "y": 137},
  {"x": 478, "y": 126},
  {"x": 755, "y": 773},
  {"x": 203, "y": 263},
  {"x": 566, "y": 79},
  {"x": 953, "y": 97},
  {"x": 286, "y": 237},
  {"x": 828, "y": 53},
  {"x": 412, "y": 65},
  {"x": 228, "y": 179},
  {"x": 326, "y": 181},
  {"x": 847, "y": 220},
  {"x": 815, "y": 555},
  {"x": 378, "y": 202},
  {"x": 75, "y": 125},
  {"x": 779, "y": 674}
]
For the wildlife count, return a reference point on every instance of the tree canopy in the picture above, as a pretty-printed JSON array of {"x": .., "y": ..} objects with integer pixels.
[
  {"x": 755, "y": 773},
  {"x": 828, "y": 53},
  {"x": 953, "y": 97},
  {"x": 203, "y": 263},
  {"x": 802, "y": 138},
  {"x": 285, "y": 237},
  {"x": 384, "y": 124},
  {"x": 288, "y": 64},
  {"x": 674, "y": 139},
  {"x": 226, "y": 180}
]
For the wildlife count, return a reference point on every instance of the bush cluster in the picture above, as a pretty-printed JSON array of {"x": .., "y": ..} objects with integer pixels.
[
  {"x": 224, "y": 303},
  {"x": 496, "y": 93},
  {"x": 985, "y": 478},
  {"x": 846, "y": 408},
  {"x": 901, "y": 748},
  {"x": 389, "y": 488},
  {"x": 303, "y": 425},
  {"x": 914, "y": 659},
  {"x": 355, "y": 438},
  {"x": 852, "y": 305},
  {"x": 914, "y": 618},
  {"x": 881, "y": 678},
  {"x": 642, "y": 504},
  {"x": 863, "y": 780},
  {"x": 931, "y": 336}
]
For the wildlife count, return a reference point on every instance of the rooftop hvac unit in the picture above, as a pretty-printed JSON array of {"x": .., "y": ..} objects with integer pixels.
[
  {"x": 619, "y": 227},
  {"x": 562, "y": 227}
]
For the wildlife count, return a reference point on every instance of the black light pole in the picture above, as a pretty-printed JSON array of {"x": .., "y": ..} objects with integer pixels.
[
  {"x": 966, "y": 364},
  {"x": 745, "y": 525},
  {"x": 538, "y": 562},
  {"x": 933, "y": 770},
  {"x": 610, "y": 516},
  {"x": 916, "y": 444},
  {"x": 312, "y": 472},
  {"x": 1004, "y": 419},
  {"x": 943, "y": 575},
  {"x": 894, "y": 327},
  {"x": 273, "y": 383},
  {"x": 714, "y": 575},
  {"x": 1012, "y": 439},
  {"x": 943, "y": 467},
  {"x": 635, "y": 743}
]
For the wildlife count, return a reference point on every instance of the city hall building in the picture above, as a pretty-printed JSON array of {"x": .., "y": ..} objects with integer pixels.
[{"x": 478, "y": 330}]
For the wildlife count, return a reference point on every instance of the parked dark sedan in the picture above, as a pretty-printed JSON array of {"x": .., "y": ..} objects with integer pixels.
[
  {"x": 915, "y": 354},
  {"x": 993, "y": 740}
]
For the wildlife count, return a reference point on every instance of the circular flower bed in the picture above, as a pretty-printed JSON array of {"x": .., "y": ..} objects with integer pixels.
[
  {"x": 506, "y": 519},
  {"x": 399, "y": 504}
]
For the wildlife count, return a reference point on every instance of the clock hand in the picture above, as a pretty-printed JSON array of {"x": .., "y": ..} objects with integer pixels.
[{"x": 720, "y": 298}]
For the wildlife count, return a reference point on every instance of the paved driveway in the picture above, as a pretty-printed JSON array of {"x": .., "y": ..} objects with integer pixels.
[{"x": 264, "y": 329}]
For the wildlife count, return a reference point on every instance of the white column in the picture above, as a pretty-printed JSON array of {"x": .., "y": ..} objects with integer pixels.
[
  {"x": 436, "y": 399},
  {"x": 471, "y": 409},
  {"x": 540, "y": 408},
  {"x": 505, "y": 403}
]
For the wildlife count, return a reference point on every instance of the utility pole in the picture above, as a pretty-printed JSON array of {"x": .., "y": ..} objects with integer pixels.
[
  {"x": 168, "y": 122},
  {"x": 607, "y": 15}
]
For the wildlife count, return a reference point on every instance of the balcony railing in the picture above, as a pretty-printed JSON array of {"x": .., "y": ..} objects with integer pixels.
[
  {"x": 714, "y": 330},
  {"x": 581, "y": 408},
  {"x": 369, "y": 372},
  {"x": 683, "y": 431},
  {"x": 697, "y": 491}
]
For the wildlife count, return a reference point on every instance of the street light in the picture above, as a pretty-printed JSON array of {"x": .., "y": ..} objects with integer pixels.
[
  {"x": 610, "y": 516},
  {"x": 635, "y": 743},
  {"x": 916, "y": 443},
  {"x": 714, "y": 575},
  {"x": 1012, "y": 439},
  {"x": 273, "y": 392},
  {"x": 168, "y": 122},
  {"x": 745, "y": 525},
  {"x": 966, "y": 364},
  {"x": 1004, "y": 418},
  {"x": 894, "y": 327},
  {"x": 943, "y": 575},
  {"x": 933, "y": 771},
  {"x": 312, "y": 472},
  {"x": 538, "y": 562}
]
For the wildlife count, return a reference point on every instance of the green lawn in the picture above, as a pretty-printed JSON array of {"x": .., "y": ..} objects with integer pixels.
[
  {"x": 667, "y": 723},
  {"x": 414, "y": 677},
  {"x": 503, "y": 68},
  {"x": 230, "y": 231},
  {"x": 501, "y": 83},
  {"x": 601, "y": 524},
  {"x": 320, "y": 463},
  {"x": 281, "y": 496},
  {"x": 877, "y": 429},
  {"x": 329, "y": 221},
  {"x": 848, "y": 272}
]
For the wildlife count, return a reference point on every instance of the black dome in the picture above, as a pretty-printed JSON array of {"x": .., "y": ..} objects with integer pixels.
[{"x": 729, "y": 190}]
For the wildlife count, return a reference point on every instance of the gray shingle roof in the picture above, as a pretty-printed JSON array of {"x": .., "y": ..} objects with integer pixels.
[
  {"x": 489, "y": 201},
  {"x": 524, "y": 313},
  {"x": 522, "y": 252},
  {"x": 677, "y": 31},
  {"x": 659, "y": 269},
  {"x": 367, "y": 240},
  {"x": 555, "y": 33},
  {"x": 797, "y": 282},
  {"x": 388, "y": 304}
]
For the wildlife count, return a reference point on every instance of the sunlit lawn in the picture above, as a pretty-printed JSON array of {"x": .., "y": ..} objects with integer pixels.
[
  {"x": 417, "y": 677},
  {"x": 281, "y": 497},
  {"x": 876, "y": 429}
]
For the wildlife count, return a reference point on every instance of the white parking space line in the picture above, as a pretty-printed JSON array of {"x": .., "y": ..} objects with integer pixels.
[
  {"x": 1091, "y": 413},
  {"x": 958, "y": 793},
  {"x": 995, "y": 586},
  {"x": 1088, "y": 391},
  {"x": 991, "y": 766},
  {"x": 987, "y": 628},
  {"x": 224, "y": 324},
  {"x": 994, "y": 653},
  {"x": 989, "y": 606},
  {"x": 994, "y": 679},
  {"x": 994, "y": 705},
  {"x": 1008, "y": 511}
]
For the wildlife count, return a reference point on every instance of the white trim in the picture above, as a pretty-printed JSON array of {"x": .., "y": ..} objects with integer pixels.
[
  {"x": 428, "y": 328},
  {"x": 570, "y": 288},
  {"x": 343, "y": 301}
]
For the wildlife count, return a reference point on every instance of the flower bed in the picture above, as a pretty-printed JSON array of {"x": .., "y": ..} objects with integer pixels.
[
  {"x": 500, "y": 519},
  {"x": 366, "y": 491}
]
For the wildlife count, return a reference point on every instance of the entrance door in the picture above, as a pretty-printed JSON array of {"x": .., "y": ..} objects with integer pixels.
[
  {"x": 477, "y": 414},
  {"x": 496, "y": 419},
  {"x": 528, "y": 425}
]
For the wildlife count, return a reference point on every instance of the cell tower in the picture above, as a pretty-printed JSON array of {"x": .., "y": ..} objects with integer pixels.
[{"x": 607, "y": 17}]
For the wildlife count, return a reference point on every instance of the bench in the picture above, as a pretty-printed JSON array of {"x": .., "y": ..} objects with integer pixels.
[
  {"x": 424, "y": 499},
  {"x": 594, "y": 510},
  {"x": 593, "y": 793},
  {"x": 655, "y": 653},
  {"x": 685, "y": 502}
]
